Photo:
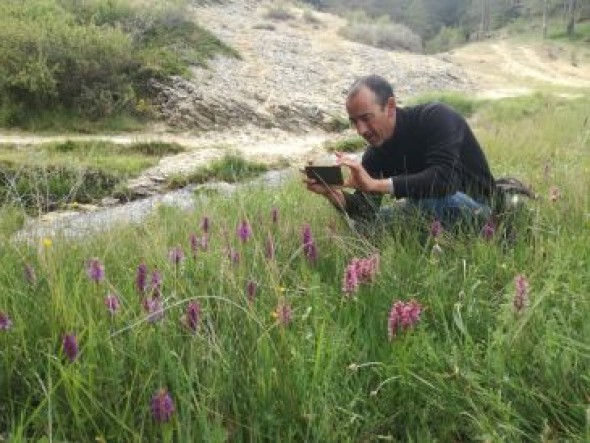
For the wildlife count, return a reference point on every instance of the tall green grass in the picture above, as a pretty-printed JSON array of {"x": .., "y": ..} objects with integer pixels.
[{"x": 472, "y": 369}]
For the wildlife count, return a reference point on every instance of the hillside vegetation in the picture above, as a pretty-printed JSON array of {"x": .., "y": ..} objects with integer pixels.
[
  {"x": 92, "y": 60},
  {"x": 443, "y": 24}
]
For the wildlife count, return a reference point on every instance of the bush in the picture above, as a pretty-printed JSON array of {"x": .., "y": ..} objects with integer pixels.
[
  {"x": 54, "y": 61},
  {"x": 92, "y": 57},
  {"x": 447, "y": 38},
  {"x": 381, "y": 33},
  {"x": 465, "y": 106},
  {"x": 349, "y": 144},
  {"x": 231, "y": 168}
]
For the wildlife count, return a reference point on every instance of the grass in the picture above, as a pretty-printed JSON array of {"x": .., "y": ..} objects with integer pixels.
[
  {"x": 466, "y": 106},
  {"x": 59, "y": 120},
  {"x": 231, "y": 168},
  {"x": 471, "y": 369},
  {"x": 346, "y": 144},
  {"x": 51, "y": 175}
]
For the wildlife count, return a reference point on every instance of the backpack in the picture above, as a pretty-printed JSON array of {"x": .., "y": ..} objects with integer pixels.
[{"x": 508, "y": 206}]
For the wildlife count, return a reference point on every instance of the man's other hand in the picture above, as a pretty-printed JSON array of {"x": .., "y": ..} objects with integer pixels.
[{"x": 360, "y": 179}]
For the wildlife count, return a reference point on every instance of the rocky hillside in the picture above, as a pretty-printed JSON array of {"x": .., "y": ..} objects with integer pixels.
[{"x": 292, "y": 74}]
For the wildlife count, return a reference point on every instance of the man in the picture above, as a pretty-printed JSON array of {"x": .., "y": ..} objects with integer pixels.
[{"x": 426, "y": 154}]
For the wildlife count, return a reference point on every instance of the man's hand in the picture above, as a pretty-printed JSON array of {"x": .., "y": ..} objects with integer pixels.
[{"x": 360, "y": 179}]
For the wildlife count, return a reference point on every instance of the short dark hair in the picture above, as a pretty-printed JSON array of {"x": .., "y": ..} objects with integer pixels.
[{"x": 376, "y": 84}]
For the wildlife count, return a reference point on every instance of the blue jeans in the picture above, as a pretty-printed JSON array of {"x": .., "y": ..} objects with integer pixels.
[{"x": 450, "y": 210}]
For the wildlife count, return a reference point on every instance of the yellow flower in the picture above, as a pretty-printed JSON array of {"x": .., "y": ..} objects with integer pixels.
[{"x": 47, "y": 242}]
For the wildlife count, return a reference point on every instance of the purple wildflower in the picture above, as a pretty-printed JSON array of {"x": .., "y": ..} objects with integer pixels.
[
  {"x": 156, "y": 283},
  {"x": 274, "y": 213},
  {"x": 205, "y": 225},
  {"x": 176, "y": 256},
  {"x": 154, "y": 309},
  {"x": 95, "y": 270},
  {"x": 367, "y": 268},
  {"x": 436, "y": 228},
  {"x": 162, "y": 406},
  {"x": 521, "y": 294},
  {"x": 360, "y": 270},
  {"x": 350, "y": 282},
  {"x": 311, "y": 252},
  {"x": 283, "y": 313},
  {"x": 70, "y": 347},
  {"x": 5, "y": 322},
  {"x": 307, "y": 237},
  {"x": 112, "y": 303},
  {"x": 309, "y": 247},
  {"x": 194, "y": 244},
  {"x": 270, "y": 248},
  {"x": 489, "y": 229},
  {"x": 141, "y": 278},
  {"x": 30, "y": 275},
  {"x": 233, "y": 255},
  {"x": 244, "y": 230},
  {"x": 251, "y": 290},
  {"x": 192, "y": 317},
  {"x": 402, "y": 316}
]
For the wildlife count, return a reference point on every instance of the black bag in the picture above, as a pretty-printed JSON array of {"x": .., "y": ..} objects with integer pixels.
[{"x": 509, "y": 205}]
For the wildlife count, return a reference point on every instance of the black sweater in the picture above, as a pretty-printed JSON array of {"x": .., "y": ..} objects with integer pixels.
[{"x": 433, "y": 153}]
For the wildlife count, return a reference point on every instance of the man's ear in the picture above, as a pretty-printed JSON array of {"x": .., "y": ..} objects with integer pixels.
[{"x": 390, "y": 106}]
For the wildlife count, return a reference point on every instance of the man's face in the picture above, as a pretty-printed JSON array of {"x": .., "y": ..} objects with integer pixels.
[{"x": 372, "y": 121}]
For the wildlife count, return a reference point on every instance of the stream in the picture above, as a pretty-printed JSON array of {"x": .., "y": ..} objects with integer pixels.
[{"x": 72, "y": 224}]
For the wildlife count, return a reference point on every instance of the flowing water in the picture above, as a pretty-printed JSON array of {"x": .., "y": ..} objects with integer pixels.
[{"x": 79, "y": 224}]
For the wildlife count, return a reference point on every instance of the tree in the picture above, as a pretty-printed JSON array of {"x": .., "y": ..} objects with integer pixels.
[
  {"x": 545, "y": 7},
  {"x": 486, "y": 17},
  {"x": 571, "y": 17}
]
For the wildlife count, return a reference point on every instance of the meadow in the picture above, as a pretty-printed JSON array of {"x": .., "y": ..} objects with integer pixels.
[{"x": 264, "y": 317}]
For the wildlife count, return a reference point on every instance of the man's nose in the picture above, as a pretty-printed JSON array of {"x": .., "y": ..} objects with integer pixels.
[{"x": 361, "y": 127}]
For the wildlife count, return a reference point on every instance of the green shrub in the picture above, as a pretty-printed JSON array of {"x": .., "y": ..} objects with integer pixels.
[
  {"x": 381, "y": 33},
  {"x": 466, "y": 106},
  {"x": 57, "y": 62},
  {"x": 336, "y": 123},
  {"x": 92, "y": 58},
  {"x": 231, "y": 168},
  {"x": 349, "y": 144},
  {"x": 447, "y": 38}
]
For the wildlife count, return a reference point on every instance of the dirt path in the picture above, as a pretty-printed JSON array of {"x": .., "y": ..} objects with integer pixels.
[{"x": 501, "y": 68}]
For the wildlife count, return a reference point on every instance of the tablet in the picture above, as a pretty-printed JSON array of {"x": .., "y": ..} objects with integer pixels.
[{"x": 328, "y": 175}]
